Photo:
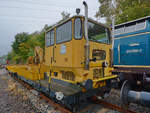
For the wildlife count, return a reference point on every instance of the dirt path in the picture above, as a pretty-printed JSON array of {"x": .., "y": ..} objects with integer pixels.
[{"x": 11, "y": 103}]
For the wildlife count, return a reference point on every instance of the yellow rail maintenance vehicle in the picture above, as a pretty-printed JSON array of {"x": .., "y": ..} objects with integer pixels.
[{"x": 75, "y": 64}]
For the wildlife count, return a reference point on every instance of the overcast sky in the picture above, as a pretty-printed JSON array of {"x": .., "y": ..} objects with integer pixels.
[{"x": 31, "y": 15}]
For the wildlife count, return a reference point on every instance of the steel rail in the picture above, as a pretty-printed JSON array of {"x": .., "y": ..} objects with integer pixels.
[
  {"x": 112, "y": 106},
  {"x": 55, "y": 105},
  {"x": 51, "y": 102},
  {"x": 64, "y": 110}
]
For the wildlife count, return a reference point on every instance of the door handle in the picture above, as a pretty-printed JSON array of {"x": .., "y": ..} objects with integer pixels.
[{"x": 54, "y": 53}]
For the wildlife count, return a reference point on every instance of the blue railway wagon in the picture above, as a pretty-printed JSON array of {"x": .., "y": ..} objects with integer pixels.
[{"x": 131, "y": 51}]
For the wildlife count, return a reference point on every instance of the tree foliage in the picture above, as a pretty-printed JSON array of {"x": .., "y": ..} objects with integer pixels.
[
  {"x": 65, "y": 15},
  {"x": 3, "y": 59},
  {"x": 23, "y": 46},
  {"x": 123, "y": 10},
  {"x": 19, "y": 38}
]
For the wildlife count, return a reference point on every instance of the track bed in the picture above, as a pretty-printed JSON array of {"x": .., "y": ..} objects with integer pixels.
[{"x": 89, "y": 107}]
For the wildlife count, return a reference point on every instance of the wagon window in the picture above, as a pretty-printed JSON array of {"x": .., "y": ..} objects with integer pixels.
[
  {"x": 78, "y": 28},
  {"x": 140, "y": 25},
  {"x": 64, "y": 32},
  {"x": 130, "y": 28},
  {"x": 119, "y": 30},
  {"x": 48, "y": 39}
]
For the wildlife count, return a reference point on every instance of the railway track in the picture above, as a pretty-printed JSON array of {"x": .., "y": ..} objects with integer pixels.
[
  {"x": 51, "y": 102},
  {"x": 112, "y": 106},
  {"x": 65, "y": 110}
]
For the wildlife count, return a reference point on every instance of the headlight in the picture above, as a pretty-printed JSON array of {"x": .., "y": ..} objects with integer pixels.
[{"x": 105, "y": 64}]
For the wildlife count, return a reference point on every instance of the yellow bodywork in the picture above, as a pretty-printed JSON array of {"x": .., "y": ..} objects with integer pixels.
[
  {"x": 30, "y": 72},
  {"x": 69, "y": 66}
]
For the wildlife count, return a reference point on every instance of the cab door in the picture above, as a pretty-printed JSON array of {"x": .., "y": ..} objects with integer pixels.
[
  {"x": 49, "y": 49},
  {"x": 62, "y": 51}
]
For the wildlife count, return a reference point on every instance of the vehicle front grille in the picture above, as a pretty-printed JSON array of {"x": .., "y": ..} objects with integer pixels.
[{"x": 98, "y": 73}]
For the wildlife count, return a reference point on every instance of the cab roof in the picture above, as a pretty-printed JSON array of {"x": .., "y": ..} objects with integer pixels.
[{"x": 75, "y": 16}]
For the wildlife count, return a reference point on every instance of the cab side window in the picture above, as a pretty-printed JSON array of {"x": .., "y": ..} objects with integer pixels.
[
  {"x": 64, "y": 32},
  {"x": 50, "y": 38}
]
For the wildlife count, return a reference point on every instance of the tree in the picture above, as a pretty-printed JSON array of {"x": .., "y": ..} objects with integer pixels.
[
  {"x": 124, "y": 10},
  {"x": 107, "y": 9},
  {"x": 3, "y": 59},
  {"x": 65, "y": 15},
  {"x": 24, "y": 45},
  {"x": 19, "y": 38},
  {"x": 133, "y": 9}
]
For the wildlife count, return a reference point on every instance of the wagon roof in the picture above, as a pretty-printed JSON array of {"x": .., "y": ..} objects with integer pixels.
[{"x": 140, "y": 19}]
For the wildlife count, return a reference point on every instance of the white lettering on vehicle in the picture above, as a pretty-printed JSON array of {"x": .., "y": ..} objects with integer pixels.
[
  {"x": 134, "y": 44},
  {"x": 134, "y": 51}
]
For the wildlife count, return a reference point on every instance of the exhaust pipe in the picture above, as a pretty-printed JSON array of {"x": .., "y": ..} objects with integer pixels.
[
  {"x": 128, "y": 96},
  {"x": 87, "y": 46}
]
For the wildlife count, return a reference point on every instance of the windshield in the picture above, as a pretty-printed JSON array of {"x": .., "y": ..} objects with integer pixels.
[{"x": 98, "y": 33}]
